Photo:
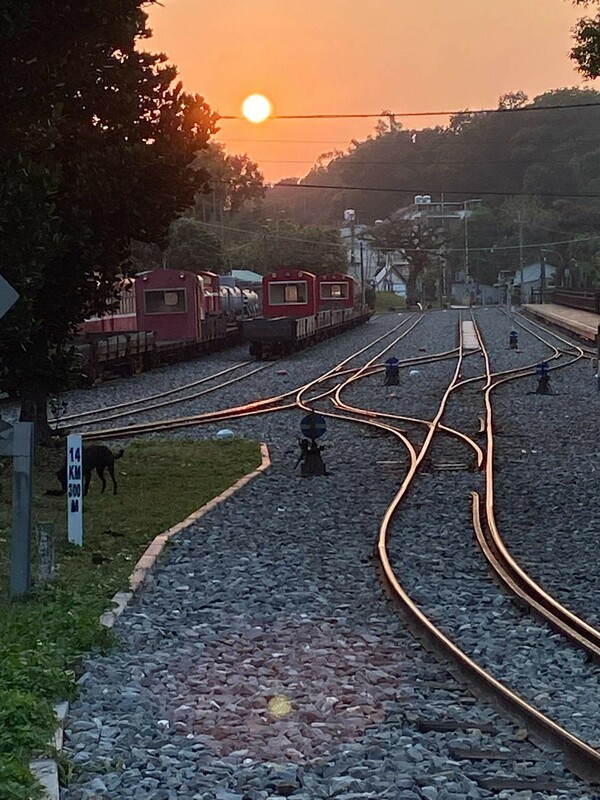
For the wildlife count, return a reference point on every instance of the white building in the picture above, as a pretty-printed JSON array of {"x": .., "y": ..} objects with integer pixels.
[
  {"x": 382, "y": 270},
  {"x": 532, "y": 280}
]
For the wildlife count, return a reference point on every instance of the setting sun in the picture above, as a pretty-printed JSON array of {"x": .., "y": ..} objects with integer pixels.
[{"x": 256, "y": 108}]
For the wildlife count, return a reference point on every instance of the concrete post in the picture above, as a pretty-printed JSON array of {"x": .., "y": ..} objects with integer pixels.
[{"x": 21, "y": 529}]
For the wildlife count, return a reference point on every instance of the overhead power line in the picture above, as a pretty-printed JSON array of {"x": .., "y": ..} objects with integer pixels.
[
  {"x": 274, "y": 235},
  {"x": 380, "y": 141},
  {"x": 388, "y": 114},
  {"x": 445, "y": 192},
  {"x": 399, "y": 163}
]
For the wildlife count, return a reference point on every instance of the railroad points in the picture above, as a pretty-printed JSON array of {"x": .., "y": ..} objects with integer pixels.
[{"x": 306, "y": 566}]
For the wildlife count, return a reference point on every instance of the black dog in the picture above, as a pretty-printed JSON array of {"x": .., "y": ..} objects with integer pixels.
[{"x": 95, "y": 457}]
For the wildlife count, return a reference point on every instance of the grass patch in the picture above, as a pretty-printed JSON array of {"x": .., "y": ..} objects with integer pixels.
[
  {"x": 388, "y": 301},
  {"x": 43, "y": 637}
]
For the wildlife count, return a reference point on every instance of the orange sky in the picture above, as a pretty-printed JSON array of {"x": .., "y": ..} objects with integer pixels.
[{"x": 357, "y": 56}]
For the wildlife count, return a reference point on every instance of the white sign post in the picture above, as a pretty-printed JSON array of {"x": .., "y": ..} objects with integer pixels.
[{"x": 75, "y": 489}]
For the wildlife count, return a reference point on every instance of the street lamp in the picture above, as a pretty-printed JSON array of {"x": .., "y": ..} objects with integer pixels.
[
  {"x": 562, "y": 262},
  {"x": 466, "y": 217},
  {"x": 350, "y": 217}
]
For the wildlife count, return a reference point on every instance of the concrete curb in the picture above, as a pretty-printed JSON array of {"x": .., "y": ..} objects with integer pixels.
[{"x": 46, "y": 769}]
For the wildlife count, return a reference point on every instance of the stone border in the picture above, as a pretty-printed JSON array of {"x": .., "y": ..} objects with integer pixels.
[{"x": 46, "y": 770}]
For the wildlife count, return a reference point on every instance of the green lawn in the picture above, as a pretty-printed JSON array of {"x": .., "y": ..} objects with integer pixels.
[
  {"x": 43, "y": 637},
  {"x": 388, "y": 301}
]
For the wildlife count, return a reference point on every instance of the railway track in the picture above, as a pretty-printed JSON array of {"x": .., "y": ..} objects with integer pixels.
[
  {"x": 423, "y": 574},
  {"x": 259, "y": 406},
  {"x": 583, "y": 758}
]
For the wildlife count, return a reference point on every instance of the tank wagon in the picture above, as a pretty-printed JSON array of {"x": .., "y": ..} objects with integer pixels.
[
  {"x": 164, "y": 316},
  {"x": 300, "y": 308}
]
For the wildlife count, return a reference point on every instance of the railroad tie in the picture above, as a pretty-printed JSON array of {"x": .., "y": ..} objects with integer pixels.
[{"x": 469, "y": 337}]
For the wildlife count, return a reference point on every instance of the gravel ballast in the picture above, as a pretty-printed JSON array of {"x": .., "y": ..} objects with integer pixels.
[{"x": 263, "y": 658}]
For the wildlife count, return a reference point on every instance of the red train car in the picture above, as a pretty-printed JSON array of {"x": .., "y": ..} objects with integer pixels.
[
  {"x": 164, "y": 316},
  {"x": 289, "y": 293},
  {"x": 124, "y": 318},
  {"x": 212, "y": 289},
  {"x": 335, "y": 290},
  {"x": 170, "y": 302},
  {"x": 300, "y": 309}
]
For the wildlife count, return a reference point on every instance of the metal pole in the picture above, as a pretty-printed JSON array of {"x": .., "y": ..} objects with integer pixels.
[
  {"x": 21, "y": 528},
  {"x": 542, "y": 276},
  {"x": 467, "y": 292},
  {"x": 598, "y": 362},
  {"x": 521, "y": 260},
  {"x": 362, "y": 275}
]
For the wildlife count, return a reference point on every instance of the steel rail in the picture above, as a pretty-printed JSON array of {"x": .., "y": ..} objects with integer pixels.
[
  {"x": 151, "y": 397},
  {"x": 165, "y": 403},
  {"x": 581, "y": 758},
  {"x": 571, "y": 625},
  {"x": 183, "y": 387},
  {"x": 338, "y": 403},
  {"x": 585, "y": 351},
  {"x": 588, "y": 351},
  {"x": 260, "y": 406},
  {"x": 535, "y": 600}
]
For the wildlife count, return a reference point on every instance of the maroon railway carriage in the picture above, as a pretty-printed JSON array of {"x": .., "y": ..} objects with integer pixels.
[
  {"x": 170, "y": 302},
  {"x": 300, "y": 309},
  {"x": 334, "y": 291},
  {"x": 164, "y": 316},
  {"x": 289, "y": 293}
]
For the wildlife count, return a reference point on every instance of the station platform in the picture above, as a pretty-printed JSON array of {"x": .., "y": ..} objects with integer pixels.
[{"x": 583, "y": 324}]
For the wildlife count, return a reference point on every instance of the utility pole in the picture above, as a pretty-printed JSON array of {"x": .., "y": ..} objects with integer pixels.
[
  {"x": 542, "y": 276},
  {"x": 467, "y": 291},
  {"x": 520, "y": 222},
  {"x": 466, "y": 215},
  {"x": 350, "y": 217},
  {"x": 362, "y": 276}
]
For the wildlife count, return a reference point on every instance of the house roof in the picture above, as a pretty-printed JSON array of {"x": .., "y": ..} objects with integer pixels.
[
  {"x": 387, "y": 272},
  {"x": 531, "y": 273},
  {"x": 246, "y": 275}
]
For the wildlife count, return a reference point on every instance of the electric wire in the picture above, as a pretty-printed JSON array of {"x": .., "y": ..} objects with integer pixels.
[{"x": 393, "y": 114}]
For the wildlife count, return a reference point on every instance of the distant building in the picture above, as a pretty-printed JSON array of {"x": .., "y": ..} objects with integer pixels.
[
  {"x": 390, "y": 278},
  {"x": 377, "y": 266},
  {"x": 434, "y": 214},
  {"x": 246, "y": 276},
  {"x": 532, "y": 282},
  {"x": 480, "y": 293}
]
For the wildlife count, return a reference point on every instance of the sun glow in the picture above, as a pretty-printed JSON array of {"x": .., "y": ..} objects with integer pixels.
[{"x": 256, "y": 108}]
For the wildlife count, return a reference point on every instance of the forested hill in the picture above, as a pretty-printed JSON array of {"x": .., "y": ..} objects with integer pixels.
[{"x": 549, "y": 154}]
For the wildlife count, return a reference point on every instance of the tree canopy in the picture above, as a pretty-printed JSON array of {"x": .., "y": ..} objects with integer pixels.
[
  {"x": 193, "y": 247},
  {"x": 586, "y": 33},
  {"x": 419, "y": 242},
  {"x": 552, "y": 155},
  {"x": 96, "y": 143}
]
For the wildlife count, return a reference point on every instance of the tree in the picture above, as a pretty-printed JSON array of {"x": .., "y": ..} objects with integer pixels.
[
  {"x": 418, "y": 241},
  {"x": 235, "y": 180},
  {"x": 193, "y": 247},
  {"x": 587, "y": 37},
  {"x": 96, "y": 143},
  {"x": 274, "y": 245},
  {"x": 512, "y": 100}
]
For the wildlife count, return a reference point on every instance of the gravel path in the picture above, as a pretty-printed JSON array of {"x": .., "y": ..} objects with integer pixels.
[{"x": 263, "y": 659}]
